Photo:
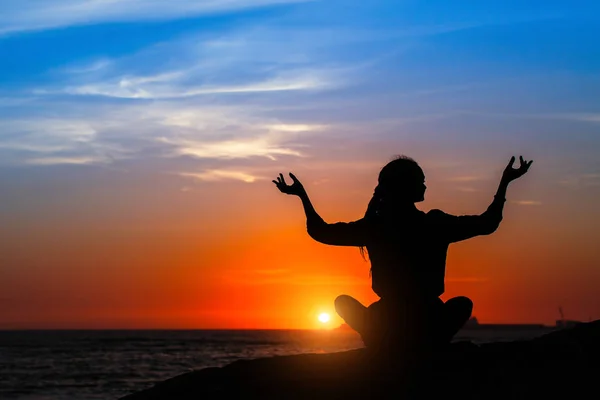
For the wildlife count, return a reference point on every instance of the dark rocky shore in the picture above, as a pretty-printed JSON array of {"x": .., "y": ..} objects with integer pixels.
[{"x": 564, "y": 363}]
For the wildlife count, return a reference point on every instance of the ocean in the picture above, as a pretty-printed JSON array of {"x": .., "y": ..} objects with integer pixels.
[{"x": 89, "y": 365}]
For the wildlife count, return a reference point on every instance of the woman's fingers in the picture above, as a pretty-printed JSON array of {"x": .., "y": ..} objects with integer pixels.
[
  {"x": 283, "y": 186},
  {"x": 511, "y": 162},
  {"x": 526, "y": 164},
  {"x": 280, "y": 183}
]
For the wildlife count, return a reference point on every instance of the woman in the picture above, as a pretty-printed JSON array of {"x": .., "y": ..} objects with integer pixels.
[{"x": 407, "y": 250}]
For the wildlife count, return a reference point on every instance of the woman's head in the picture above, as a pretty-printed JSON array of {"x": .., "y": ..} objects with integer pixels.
[{"x": 402, "y": 180}]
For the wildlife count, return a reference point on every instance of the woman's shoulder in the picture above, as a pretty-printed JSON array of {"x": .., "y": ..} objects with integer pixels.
[{"x": 437, "y": 214}]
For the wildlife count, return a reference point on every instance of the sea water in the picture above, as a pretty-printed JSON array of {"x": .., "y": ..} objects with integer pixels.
[{"x": 82, "y": 365}]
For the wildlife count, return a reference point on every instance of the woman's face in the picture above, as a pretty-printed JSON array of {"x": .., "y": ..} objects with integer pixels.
[
  {"x": 410, "y": 188},
  {"x": 403, "y": 182},
  {"x": 420, "y": 188}
]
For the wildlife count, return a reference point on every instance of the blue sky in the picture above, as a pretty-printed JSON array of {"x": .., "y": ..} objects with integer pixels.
[{"x": 96, "y": 82}]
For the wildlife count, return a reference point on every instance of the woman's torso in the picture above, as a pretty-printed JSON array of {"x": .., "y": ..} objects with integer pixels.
[{"x": 408, "y": 257}]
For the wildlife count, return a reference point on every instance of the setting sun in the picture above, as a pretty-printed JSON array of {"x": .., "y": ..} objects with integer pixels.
[{"x": 324, "y": 317}]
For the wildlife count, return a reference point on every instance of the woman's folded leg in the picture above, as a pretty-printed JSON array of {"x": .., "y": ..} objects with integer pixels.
[
  {"x": 457, "y": 312},
  {"x": 353, "y": 313}
]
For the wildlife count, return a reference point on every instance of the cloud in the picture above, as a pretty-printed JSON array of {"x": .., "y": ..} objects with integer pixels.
[
  {"x": 79, "y": 130},
  {"x": 250, "y": 92},
  {"x": 86, "y": 68},
  {"x": 240, "y": 62},
  {"x": 194, "y": 130},
  {"x": 527, "y": 202},
  {"x": 295, "y": 127},
  {"x": 65, "y": 160},
  {"x": 466, "y": 178},
  {"x": 219, "y": 175},
  {"x": 46, "y": 136},
  {"x": 289, "y": 278},
  {"x": 582, "y": 117},
  {"x": 230, "y": 149},
  {"x": 239, "y": 96},
  {"x": 577, "y": 117},
  {"x": 31, "y": 15},
  {"x": 166, "y": 87},
  {"x": 467, "y": 279},
  {"x": 581, "y": 180},
  {"x": 75, "y": 139}
]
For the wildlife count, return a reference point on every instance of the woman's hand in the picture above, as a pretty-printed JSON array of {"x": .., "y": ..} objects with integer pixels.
[
  {"x": 510, "y": 173},
  {"x": 295, "y": 188}
]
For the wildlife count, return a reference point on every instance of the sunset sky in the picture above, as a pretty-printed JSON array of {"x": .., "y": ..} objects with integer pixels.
[{"x": 138, "y": 141}]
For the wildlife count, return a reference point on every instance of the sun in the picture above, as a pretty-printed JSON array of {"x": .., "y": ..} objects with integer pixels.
[{"x": 324, "y": 318}]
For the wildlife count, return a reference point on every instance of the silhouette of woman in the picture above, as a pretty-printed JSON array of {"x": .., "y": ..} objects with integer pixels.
[{"x": 407, "y": 250}]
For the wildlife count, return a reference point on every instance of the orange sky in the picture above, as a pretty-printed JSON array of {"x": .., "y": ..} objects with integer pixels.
[{"x": 236, "y": 254}]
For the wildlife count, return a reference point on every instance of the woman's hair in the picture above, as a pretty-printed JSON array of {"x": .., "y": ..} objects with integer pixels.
[{"x": 396, "y": 180}]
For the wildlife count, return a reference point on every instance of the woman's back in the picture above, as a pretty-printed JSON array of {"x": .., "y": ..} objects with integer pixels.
[{"x": 407, "y": 255}]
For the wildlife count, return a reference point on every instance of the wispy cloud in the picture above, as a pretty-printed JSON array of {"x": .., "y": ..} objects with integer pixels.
[
  {"x": 204, "y": 65},
  {"x": 65, "y": 160},
  {"x": 29, "y": 15},
  {"x": 577, "y": 117},
  {"x": 87, "y": 67},
  {"x": 581, "y": 180},
  {"x": 198, "y": 131},
  {"x": 240, "y": 95},
  {"x": 466, "y": 178},
  {"x": 467, "y": 279},
  {"x": 582, "y": 117},
  {"x": 527, "y": 202},
  {"x": 79, "y": 138},
  {"x": 219, "y": 175},
  {"x": 186, "y": 116},
  {"x": 288, "y": 277},
  {"x": 165, "y": 87},
  {"x": 230, "y": 149}
]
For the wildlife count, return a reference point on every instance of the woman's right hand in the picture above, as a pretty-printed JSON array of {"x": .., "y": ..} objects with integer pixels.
[
  {"x": 295, "y": 188},
  {"x": 510, "y": 173}
]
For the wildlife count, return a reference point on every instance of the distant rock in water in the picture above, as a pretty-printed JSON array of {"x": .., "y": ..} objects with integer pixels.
[{"x": 564, "y": 363}]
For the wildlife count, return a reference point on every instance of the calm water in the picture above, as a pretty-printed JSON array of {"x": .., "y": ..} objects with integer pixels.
[{"x": 84, "y": 365}]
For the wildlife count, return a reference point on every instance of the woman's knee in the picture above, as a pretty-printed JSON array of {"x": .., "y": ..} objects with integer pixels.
[
  {"x": 342, "y": 303},
  {"x": 460, "y": 307},
  {"x": 345, "y": 304},
  {"x": 461, "y": 302}
]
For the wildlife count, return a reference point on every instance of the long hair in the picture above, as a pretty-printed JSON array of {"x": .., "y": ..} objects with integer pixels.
[{"x": 392, "y": 177}]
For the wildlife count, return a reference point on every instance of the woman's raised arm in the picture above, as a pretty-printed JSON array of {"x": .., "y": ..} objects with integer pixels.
[
  {"x": 457, "y": 228},
  {"x": 337, "y": 234}
]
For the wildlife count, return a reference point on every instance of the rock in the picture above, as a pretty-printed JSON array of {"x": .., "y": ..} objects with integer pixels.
[{"x": 562, "y": 363}]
